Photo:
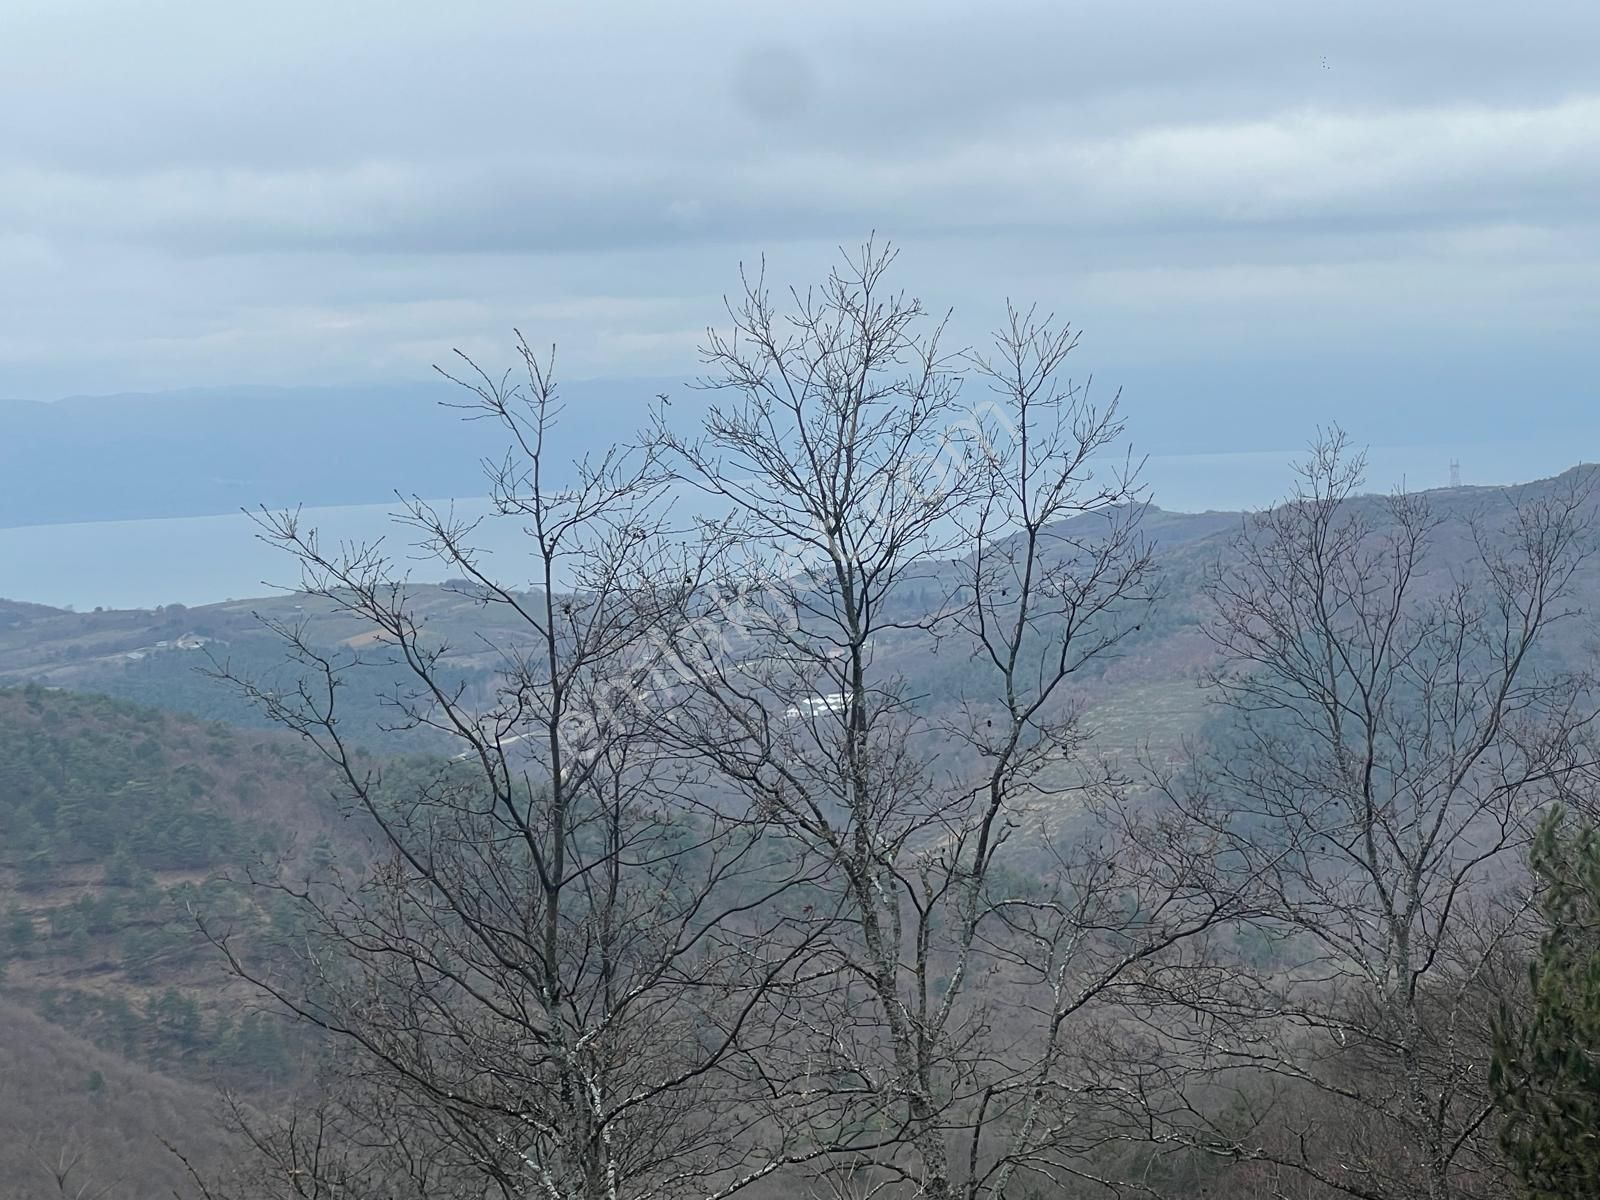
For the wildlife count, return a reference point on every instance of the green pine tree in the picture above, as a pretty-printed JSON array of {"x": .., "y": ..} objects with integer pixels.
[{"x": 1545, "y": 1073}]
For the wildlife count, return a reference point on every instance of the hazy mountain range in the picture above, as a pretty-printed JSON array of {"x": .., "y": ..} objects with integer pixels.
[{"x": 215, "y": 450}]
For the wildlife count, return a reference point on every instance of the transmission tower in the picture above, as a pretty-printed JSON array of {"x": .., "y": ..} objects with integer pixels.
[{"x": 1455, "y": 472}]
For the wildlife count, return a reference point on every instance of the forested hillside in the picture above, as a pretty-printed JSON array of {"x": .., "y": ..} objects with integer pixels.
[
  {"x": 122, "y": 823},
  {"x": 93, "y": 1118},
  {"x": 119, "y": 827},
  {"x": 166, "y": 658}
]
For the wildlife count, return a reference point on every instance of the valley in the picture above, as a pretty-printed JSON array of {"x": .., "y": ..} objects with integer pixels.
[{"x": 139, "y": 796}]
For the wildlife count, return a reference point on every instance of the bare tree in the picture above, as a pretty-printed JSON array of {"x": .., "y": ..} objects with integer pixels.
[
  {"x": 549, "y": 981},
  {"x": 709, "y": 895},
  {"x": 1397, "y": 705},
  {"x": 937, "y": 1056},
  {"x": 65, "y": 1165}
]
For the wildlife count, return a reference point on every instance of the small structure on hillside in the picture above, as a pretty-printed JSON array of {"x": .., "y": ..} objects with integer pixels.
[{"x": 815, "y": 706}]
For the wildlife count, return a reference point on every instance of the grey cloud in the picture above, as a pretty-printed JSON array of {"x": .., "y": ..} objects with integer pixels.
[
  {"x": 319, "y": 192},
  {"x": 1280, "y": 170}
]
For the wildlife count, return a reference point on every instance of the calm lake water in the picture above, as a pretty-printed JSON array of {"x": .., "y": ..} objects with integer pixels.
[{"x": 201, "y": 560}]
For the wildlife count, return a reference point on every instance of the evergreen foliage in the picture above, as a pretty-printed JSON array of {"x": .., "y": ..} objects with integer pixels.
[{"x": 1546, "y": 1067}]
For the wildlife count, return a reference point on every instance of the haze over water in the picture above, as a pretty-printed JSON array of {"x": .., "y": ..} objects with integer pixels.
[{"x": 207, "y": 559}]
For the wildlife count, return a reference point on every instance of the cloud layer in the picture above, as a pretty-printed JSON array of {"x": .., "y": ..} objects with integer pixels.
[{"x": 1251, "y": 207}]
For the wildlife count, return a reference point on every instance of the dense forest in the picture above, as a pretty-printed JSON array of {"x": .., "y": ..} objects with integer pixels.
[{"x": 119, "y": 826}]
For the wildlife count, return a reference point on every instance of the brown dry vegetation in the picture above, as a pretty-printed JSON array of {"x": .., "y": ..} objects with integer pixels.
[{"x": 61, "y": 1095}]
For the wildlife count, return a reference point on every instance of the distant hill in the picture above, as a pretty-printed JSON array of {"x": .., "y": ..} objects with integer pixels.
[
  {"x": 204, "y": 451},
  {"x": 158, "y": 656},
  {"x": 14, "y": 613},
  {"x": 163, "y": 657}
]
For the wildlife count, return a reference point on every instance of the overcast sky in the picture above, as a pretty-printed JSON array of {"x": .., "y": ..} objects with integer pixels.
[{"x": 1262, "y": 215}]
